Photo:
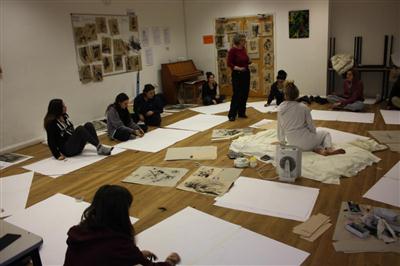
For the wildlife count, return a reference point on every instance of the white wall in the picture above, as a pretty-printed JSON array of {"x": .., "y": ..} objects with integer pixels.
[
  {"x": 38, "y": 59},
  {"x": 372, "y": 20},
  {"x": 305, "y": 60}
]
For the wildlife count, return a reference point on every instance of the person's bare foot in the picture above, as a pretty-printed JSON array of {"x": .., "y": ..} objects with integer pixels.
[{"x": 329, "y": 151}]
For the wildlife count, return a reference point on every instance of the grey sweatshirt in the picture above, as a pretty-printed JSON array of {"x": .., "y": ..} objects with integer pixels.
[{"x": 114, "y": 122}]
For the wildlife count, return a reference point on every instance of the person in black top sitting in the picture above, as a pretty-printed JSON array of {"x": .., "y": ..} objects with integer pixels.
[
  {"x": 148, "y": 106},
  {"x": 63, "y": 139},
  {"x": 394, "y": 97},
  {"x": 209, "y": 91},
  {"x": 277, "y": 89}
]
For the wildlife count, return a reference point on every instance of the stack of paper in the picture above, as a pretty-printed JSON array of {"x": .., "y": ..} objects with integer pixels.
[
  {"x": 191, "y": 153},
  {"x": 202, "y": 239},
  {"x": 387, "y": 189},
  {"x": 313, "y": 227},
  {"x": 270, "y": 198},
  {"x": 226, "y": 134},
  {"x": 51, "y": 219}
]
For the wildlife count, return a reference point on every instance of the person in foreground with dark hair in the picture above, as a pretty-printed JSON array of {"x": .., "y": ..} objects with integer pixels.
[
  {"x": 105, "y": 235},
  {"x": 120, "y": 125},
  {"x": 148, "y": 106},
  {"x": 209, "y": 93},
  {"x": 63, "y": 139},
  {"x": 295, "y": 126},
  {"x": 276, "y": 91}
]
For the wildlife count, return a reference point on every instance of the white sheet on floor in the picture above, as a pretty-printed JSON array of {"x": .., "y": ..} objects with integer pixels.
[
  {"x": 262, "y": 123},
  {"x": 270, "y": 198},
  {"x": 14, "y": 193},
  {"x": 217, "y": 241},
  {"x": 343, "y": 116},
  {"x": 213, "y": 109},
  {"x": 386, "y": 190},
  {"x": 259, "y": 106},
  {"x": 326, "y": 169},
  {"x": 4, "y": 164},
  {"x": 51, "y": 219},
  {"x": 369, "y": 101},
  {"x": 391, "y": 117},
  {"x": 394, "y": 172},
  {"x": 200, "y": 122},
  {"x": 156, "y": 140},
  {"x": 56, "y": 168}
]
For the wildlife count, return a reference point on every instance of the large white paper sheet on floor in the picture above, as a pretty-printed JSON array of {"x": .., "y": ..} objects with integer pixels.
[
  {"x": 56, "y": 168},
  {"x": 339, "y": 137},
  {"x": 394, "y": 172},
  {"x": 343, "y": 116},
  {"x": 262, "y": 123},
  {"x": 14, "y": 193},
  {"x": 5, "y": 164},
  {"x": 51, "y": 219},
  {"x": 270, "y": 198},
  {"x": 215, "y": 241},
  {"x": 386, "y": 190},
  {"x": 200, "y": 122},
  {"x": 249, "y": 248},
  {"x": 213, "y": 109},
  {"x": 259, "y": 106},
  {"x": 156, "y": 140},
  {"x": 391, "y": 117}
]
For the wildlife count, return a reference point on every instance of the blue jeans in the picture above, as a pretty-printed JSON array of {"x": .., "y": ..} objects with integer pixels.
[{"x": 356, "y": 106}]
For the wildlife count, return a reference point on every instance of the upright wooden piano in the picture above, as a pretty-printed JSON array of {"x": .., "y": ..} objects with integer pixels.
[{"x": 180, "y": 82}]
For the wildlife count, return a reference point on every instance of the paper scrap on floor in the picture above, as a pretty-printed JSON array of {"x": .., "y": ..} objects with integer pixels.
[
  {"x": 369, "y": 101},
  {"x": 178, "y": 107},
  {"x": 387, "y": 189},
  {"x": 56, "y": 168},
  {"x": 226, "y": 134},
  {"x": 259, "y": 106},
  {"x": 191, "y": 153},
  {"x": 213, "y": 109},
  {"x": 391, "y": 117},
  {"x": 265, "y": 124},
  {"x": 51, "y": 219},
  {"x": 200, "y": 122},
  {"x": 343, "y": 116},
  {"x": 9, "y": 159},
  {"x": 165, "y": 114},
  {"x": 327, "y": 169},
  {"x": 270, "y": 198},
  {"x": 218, "y": 242},
  {"x": 208, "y": 180},
  {"x": 156, "y": 176},
  {"x": 156, "y": 140},
  {"x": 349, "y": 243},
  {"x": 313, "y": 228},
  {"x": 14, "y": 193}
]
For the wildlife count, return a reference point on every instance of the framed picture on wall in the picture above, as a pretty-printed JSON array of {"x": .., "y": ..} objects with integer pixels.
[{"x": 299, "y": 24}]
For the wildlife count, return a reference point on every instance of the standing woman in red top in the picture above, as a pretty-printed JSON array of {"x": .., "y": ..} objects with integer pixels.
[{"x": 238, "y": 61}]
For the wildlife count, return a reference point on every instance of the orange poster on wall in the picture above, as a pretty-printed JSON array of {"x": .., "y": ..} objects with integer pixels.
[{"x": 208, "y": 39}]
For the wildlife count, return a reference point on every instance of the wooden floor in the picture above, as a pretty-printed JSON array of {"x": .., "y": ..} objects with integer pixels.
[{"x": 153, "y": 204}]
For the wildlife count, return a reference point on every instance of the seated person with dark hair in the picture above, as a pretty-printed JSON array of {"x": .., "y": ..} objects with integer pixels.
[
  {"x": 148, "y": 106},
  {"x": 209, "y": 91},
  {"x": 277, "y": 89}
]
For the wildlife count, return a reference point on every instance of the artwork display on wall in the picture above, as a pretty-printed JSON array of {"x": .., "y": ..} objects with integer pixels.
[
  {"x": 299, "y": 24},
  {"x": 259, "y": 32},
  {"x": 103, "y": 45}
]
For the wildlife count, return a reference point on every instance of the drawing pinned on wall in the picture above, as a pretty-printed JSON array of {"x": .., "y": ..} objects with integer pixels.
[
  {"x": 222, "y": 64},
  {"x": 108, "y": 64},
  {"x": 209, "y": 180},
  {"x": 224, "y": 78},
  {"x": 79, "y": 36},
  {"x": 219, "y": 28},
  {"x": 268, "y": 45},
  {"x": 133, "y": 23},
  {"x": 223, "y": 53},
  {"x": 156, "y": 35},
  {"x": 133, "y": 63},
  {"x": 113, "y": 26},
  {"x": 101, "y": 25},
  {"x": 90, "y": 32},
  {"x": 167, "y": 35},
  {"x": 85, "y": 74},
  {"x": 106, "y": 45},
  {"x": 85, "y": 55},
  {"x": 220, "y": 41},
  {"x": 299, "y": 24},
  {"x": 156, "y": 176},
  {"x": 252, "y": 46},
  {"x": 97, "y": 73},
  {"x": 149, "y": 57},
  {"x": 268, "y": 59},
  {"x": 119, "y": 47},
  {"x": 267, "y": 28},
  {"x": 231, "y": 27},
  {"x": 144, "y": 36},
  {"x": 254, "y": 30},
  {"x": 268, "y": 76},
  {"x": 254, "y": 84},
  {"x": 118, "y": 64},
  {"x": 96, "y": 52},
  {"x": 253, "y": 68}
]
